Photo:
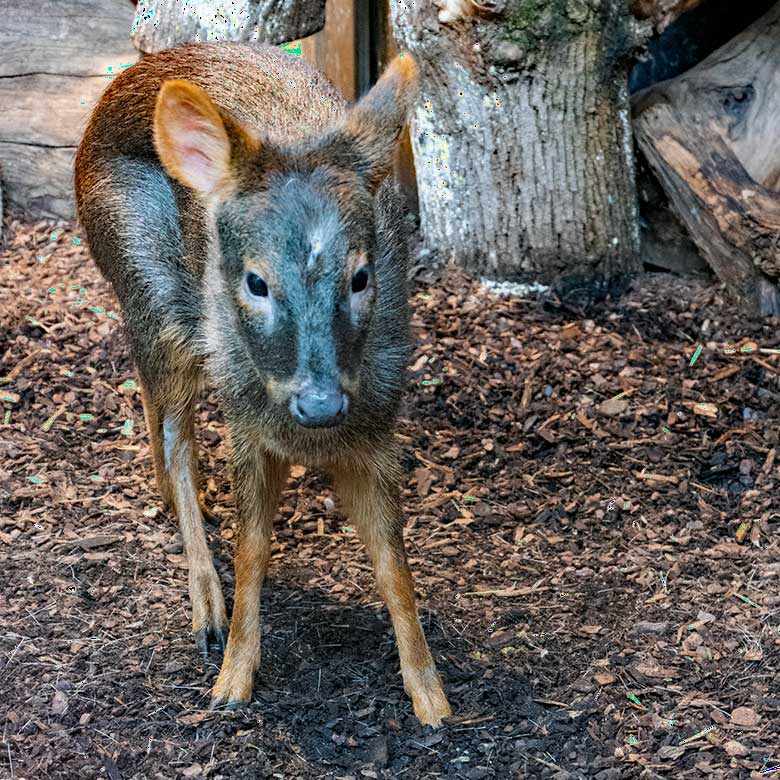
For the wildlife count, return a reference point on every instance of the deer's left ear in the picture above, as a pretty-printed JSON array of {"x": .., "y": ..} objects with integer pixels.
[{"x": 366, "y": 137}]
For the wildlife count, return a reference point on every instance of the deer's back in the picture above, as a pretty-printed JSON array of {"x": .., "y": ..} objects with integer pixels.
[{"x": 269, "y": 91}]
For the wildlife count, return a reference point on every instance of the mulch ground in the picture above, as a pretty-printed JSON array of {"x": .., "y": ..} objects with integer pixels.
[{"x": 592, "y": 523}]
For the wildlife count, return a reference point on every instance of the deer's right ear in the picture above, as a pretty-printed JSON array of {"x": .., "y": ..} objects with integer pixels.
[
  {"x": 365, "y": 139},
  {"x": 196, "y": 144}
]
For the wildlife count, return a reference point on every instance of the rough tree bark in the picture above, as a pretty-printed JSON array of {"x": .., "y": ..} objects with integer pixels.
[
  {"x": 522, "y": 141},
  {"x": 160, "y": 24},
  {"x": 711, "y": 137}
]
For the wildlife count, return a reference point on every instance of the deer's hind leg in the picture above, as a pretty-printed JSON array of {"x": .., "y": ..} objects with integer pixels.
[
  {"x": 154, "y": 425},
  {"x": 169, "y": 388}
]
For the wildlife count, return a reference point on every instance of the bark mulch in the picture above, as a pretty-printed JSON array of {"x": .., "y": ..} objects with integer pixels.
[{"x": 592, "y": 523}]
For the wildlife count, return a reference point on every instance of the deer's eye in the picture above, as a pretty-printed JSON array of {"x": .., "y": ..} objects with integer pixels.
[
  {"x": 256, "y": 285},
  {"x": 360, "y": 280}
]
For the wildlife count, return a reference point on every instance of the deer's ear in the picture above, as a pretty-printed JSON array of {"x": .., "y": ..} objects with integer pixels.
[
  {"x": 196, "y": 144},
  {"x": 366, "y": 138}
]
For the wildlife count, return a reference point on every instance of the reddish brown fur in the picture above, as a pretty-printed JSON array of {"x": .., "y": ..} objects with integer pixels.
[{"x": 220, "y": 121}]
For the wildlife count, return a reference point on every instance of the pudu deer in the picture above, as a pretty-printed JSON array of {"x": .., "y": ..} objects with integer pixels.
[{"x": 250, "y": 226}]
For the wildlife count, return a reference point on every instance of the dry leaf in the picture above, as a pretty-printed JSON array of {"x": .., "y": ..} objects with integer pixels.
[
  {"x": 646, "y": 627},
  {"x": 590, "y": 629},
  {"x": 654, "y": 670},
  {"x": 91, "y": 541},
  {"x": 734, "y": 748},
  {"x": 745, "y": 716},
  {"x": 613, "y": 407},
  {"x": 581, "y": 418},
  {"x": 195, "y": 717},
  {"x": 706, "y": 410},
  {"x": 59, "y": 703},
  {"x": 726, "y": 547},
  {"x": 726, "y": 372},
  {"x": 604, "y": 678},
  {"x": 425, "y": 478},
  {"x": 671, "y": 751},
  {"x": 419, "y": 363}
]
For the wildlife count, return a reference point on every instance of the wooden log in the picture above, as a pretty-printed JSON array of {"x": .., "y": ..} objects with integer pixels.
[
  {"x": 49, "y": 82},
  {"x": 710, "y": 136},
  {"x": 160, "y": 24},
  {"x": 83, "y": 39},
  {"x": 39, "y": 180},
  {"x": 47, "y": 110},
  {"x": 522, "y": 142}
]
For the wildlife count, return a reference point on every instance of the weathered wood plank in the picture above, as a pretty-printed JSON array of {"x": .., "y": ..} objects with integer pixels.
[
  {"x": 39, "y": 180},
  {"x": 47, "y": 110},
  {"x": 160, "y": 24},
  {"x": 81, "y": 39},
  {"x": 55, "y": 60},
  {"x": 332, "y": 49},
  {"x": 38, "y": 137}
]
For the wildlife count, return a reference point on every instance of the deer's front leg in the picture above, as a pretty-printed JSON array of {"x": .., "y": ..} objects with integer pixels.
[
  {"x": 372, "y": 498},
  {"x": 257, "y": 484}
]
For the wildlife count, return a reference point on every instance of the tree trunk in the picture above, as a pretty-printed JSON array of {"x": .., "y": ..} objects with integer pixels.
[
  {"x": 711, "y": 137},
  {"x": 160, "y": 24},
  {"x": 522, "y": 141}
]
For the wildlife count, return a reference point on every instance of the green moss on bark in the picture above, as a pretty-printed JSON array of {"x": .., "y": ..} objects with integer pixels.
[{"x": 534, "y": 23}]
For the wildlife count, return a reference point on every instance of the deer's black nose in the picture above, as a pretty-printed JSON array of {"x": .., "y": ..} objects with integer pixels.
[{"x": 319, "y": 407}]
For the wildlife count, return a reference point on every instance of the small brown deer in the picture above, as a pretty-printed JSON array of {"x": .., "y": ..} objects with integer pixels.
[{"x": 248, "y": 222}]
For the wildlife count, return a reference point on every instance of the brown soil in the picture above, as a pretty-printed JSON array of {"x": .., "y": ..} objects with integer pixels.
[{"x": 562, "y": 653}]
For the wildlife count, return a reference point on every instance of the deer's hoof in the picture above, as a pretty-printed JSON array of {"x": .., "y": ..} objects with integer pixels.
[
  {"x": 211, "y": 640},
  {"x": 234, "y": 684},
  {"x": 428, "y": 699},
  {"x": 230, "y": 706}
]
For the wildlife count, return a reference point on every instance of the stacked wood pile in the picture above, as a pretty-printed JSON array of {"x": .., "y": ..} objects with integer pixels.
[
  {"x": 50, "y": 80},
  {"x": 711, "y": 137},
  {"x": 53, "y": 67}
]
